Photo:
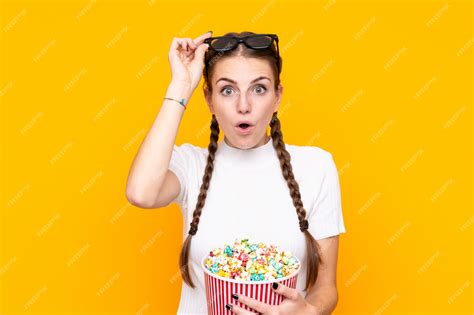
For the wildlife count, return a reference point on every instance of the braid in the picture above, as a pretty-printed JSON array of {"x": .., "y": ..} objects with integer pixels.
[
  {"x": 312, "y": 248},
  {"x": 206, "y": 179}
]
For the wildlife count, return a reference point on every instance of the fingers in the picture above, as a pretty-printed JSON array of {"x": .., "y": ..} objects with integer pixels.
[
  {"x": 198, "y": 40},
  {"x": 190, "y": 43},
  {"x": 200, "y": 51},
  {"x": 287, "y": 292},
  {"x": 187, "y": 46},
  {"x": 238, "y": 310},
  {"x": 254, "y": 304},
  {"x": 188, "y": 50},
  {"x": 177, "y": 41},
  {"x": 184, "y": 46}
]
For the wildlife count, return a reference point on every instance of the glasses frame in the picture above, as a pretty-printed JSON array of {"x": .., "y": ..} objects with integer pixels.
[{"x": 243, "y": 39}]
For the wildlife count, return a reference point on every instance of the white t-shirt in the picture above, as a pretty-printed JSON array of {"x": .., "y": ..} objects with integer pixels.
[{"x": 248, "y": 197}]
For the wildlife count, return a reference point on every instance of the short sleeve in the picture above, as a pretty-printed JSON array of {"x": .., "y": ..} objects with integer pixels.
[
  {"x": 179, "y": 164},
  {"x": 325, "y": 216}
]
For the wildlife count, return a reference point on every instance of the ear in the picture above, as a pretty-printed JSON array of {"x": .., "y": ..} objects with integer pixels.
[
  {"x": 208, "y": 97},
  {"x": 279, "y": 94}
]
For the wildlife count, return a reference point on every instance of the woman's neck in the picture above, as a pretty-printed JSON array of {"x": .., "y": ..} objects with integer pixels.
[{"x": 264, "y": 140}]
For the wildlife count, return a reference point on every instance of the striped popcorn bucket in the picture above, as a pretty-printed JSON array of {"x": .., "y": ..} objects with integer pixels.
[{"x": 220, "y": 289}]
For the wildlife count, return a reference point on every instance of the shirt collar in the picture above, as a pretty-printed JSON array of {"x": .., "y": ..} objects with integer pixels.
[{"x": 247, "y": 158}]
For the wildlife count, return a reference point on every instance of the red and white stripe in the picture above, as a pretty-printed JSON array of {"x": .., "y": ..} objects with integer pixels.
[{"x": 219, "y": 293}]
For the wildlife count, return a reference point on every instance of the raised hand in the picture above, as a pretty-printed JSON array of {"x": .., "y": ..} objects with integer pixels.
[{"x": 186, "y": 57}]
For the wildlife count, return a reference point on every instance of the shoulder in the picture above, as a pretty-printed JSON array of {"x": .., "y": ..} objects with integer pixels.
[
  {"x": 312, "y": 166},
  {"x": 309, "y": 155},
  {"x": 190, "y": 151},
  {"x": 189, "y": 147},
  {"x": 311, "y": 163}
]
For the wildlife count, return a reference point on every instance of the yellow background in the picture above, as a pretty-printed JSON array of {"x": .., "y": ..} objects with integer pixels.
[{"x": 386, "y": 87}]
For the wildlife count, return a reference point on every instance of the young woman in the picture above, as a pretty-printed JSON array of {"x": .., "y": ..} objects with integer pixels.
[{"x": 250, "y": 184}]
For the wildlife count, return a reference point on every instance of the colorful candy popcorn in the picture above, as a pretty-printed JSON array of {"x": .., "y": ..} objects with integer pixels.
[{"x": 251, "y": 261}]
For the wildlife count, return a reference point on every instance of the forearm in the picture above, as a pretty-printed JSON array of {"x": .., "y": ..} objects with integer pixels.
[
  {"x": 150, "y": 165},
  {"x": 323, "y": 299}
]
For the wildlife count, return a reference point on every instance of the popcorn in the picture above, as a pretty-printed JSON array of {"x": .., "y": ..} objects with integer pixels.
[{"x": 248, "y": 261}]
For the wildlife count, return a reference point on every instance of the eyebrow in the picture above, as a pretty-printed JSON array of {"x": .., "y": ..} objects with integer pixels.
[{"x": 232, "y": 81}]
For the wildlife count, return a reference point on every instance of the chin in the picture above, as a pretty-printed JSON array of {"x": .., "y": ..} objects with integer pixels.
[{"x": 244, "y": 143}]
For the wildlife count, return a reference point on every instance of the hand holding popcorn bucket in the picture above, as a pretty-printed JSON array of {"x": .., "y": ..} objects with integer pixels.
[{"x": 233, "y": 270}]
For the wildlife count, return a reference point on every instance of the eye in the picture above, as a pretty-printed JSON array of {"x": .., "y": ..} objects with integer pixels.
[
  {"x": 260, "y": 89},
  {"x": 226, "y": 90}
]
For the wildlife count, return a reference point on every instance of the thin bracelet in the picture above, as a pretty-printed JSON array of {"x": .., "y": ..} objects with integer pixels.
[{"x": 181, "y": 102}]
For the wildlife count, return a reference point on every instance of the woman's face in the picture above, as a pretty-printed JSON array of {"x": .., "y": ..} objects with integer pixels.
[{"x": 243, "y": 90}]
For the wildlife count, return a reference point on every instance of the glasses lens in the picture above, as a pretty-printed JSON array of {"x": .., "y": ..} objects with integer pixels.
[
  {"x": 223, "y": 43},
  {"x": 259, "y": 41}
]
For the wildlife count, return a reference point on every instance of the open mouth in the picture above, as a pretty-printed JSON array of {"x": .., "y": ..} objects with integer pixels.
[{"x": 244, "y": 126}]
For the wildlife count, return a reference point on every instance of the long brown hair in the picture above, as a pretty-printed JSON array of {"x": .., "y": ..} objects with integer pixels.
[{"x": 313, "y": 251}]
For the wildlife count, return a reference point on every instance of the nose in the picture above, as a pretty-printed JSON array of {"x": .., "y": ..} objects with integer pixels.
[{"x": 244, "y": 105}]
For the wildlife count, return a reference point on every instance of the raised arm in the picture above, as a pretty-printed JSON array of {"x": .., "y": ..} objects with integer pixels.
[{"x": 150, "y": 184}]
